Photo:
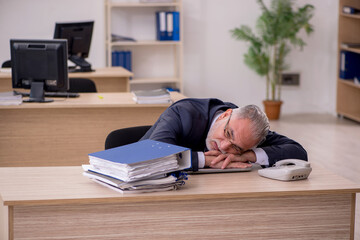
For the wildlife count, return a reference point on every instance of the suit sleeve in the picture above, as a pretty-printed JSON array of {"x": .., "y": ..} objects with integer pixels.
[
  {"x": 279, "y": 147},
  {"x": 169, "y": 129}
]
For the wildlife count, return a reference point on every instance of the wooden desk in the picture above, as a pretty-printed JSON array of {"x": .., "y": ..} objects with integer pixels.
[
  {"x": 66, "y": 130},
  {"x": 110, "y": 79},
  {"x": 60, "y": 203}
]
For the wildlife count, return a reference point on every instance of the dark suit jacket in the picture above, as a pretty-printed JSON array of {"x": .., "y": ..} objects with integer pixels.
[{"x": 186, "y": 123}]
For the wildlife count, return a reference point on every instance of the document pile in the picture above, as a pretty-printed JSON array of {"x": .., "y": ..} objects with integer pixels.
[
  {"x": 152, "y": 96},
  {"x": 143, "y": 166},
  {"x": 119, "y": 38},
  {"x": 10, "y": 98}
]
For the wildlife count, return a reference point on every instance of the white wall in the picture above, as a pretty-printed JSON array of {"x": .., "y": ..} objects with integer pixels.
[
  {"x": 36, "y": 19},
  {"x": 213, "y": 61}
]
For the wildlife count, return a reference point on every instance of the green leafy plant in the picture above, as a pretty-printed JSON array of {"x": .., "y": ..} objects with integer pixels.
[{"x": 276, "y": 30}]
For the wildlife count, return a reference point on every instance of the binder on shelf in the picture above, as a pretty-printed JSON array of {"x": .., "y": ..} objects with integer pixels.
[
  {"x": 161, "y": 26},
  {"x": 127, "y": 59},
  {"x": 117, "y": 59},
  {"x": 176, "y": 26},
  {"x": 140, "y": 160},
  {"x": 114, "y": 62},
  {"x": 350, "y": 10},
  {"x": 121, "y": 59},
  {"x": 169, "y": 26},
  {"x": 349, "y": 65}
]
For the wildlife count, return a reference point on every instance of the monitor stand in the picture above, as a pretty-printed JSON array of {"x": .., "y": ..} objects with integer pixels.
[
  {"x": 37, "y": 93},
  {"x": 80, "y": 62}
]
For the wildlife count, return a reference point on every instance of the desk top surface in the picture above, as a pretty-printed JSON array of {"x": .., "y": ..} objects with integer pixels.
[
  {"x": 99, "y": 72},
  {"x": 61, "y": 185},
  {"x": 93, "y": 100}
]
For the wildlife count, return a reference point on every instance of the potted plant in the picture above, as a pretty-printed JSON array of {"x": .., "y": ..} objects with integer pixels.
[{"x": 277, "y": 29}]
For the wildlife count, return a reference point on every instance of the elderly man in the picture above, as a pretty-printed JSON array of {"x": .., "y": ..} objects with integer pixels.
[{"x": 222, "y": 135}]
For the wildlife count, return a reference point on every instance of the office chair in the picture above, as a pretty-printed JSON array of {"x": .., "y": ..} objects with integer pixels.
[
  {"x": 82, "y": 85},
  {"x": 125, "y": 136},
  {"x": 6, "y": 64}
]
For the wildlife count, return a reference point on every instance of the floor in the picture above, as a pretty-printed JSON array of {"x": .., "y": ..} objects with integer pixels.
[{"x": 330, "y": 141}]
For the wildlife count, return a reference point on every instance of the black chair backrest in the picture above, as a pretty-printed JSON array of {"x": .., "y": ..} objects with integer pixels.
[
  {"x": 125, "y": 136},
  {"x": 6, "y": 64},
  {"x": 82, "y": 85}
]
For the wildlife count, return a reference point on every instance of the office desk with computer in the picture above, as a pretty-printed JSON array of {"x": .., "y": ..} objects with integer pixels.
[
  {"x": 42, "y": 64},
  {"x": 67, "y": 129}
]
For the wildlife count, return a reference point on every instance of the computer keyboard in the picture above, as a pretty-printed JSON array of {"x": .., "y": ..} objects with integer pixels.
[
  {"x": 53, "y": 94},
  {"x": 62, "y": 94}
]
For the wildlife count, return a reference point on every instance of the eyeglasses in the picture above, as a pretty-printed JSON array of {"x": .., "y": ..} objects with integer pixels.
[{"x": 227, "y": 134}]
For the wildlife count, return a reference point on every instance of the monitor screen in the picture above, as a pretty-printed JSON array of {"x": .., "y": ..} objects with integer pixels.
[
  {"x": 78, "y": 35},
  {"x": 40, "y": 65}
]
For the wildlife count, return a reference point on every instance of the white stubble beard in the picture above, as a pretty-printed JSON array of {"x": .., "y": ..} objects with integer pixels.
[{"x": 209, "y": 138}]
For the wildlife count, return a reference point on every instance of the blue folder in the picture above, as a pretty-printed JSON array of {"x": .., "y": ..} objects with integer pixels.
[
  {"x": 349, "y": 65},
  {"x": 176, "y": 27},
  {"x": 114, "y": 62},
  {"x": 161, "y": 26},
  {"x": 121, "y": 58},
  {"x": 118, "y": 59},
  {"x": 144, "y": 151},
  {"x": 127, "y": 60},
  {"x": 169, "y": 26}
]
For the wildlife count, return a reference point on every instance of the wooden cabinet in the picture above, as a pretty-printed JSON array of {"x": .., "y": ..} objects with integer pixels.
[
  {"x": 154, "y": 63},
  {"x": 348, "y": 91}
]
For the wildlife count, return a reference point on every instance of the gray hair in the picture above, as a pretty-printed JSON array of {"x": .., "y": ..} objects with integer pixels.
[{"x": 260, "y": 123}]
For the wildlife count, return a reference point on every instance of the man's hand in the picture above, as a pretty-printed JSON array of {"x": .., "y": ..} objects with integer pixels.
[{"x": 216, "y": 159}]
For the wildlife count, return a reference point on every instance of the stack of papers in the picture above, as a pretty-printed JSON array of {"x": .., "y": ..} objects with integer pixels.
[
  {"x": 141, "y": 166},
  {"x": 10, "y": 98},
  {"x": 116, "y": 38},
  {"x": 152, "y": 96},
  {"x": 156, "y": 183},
  {"x": 5, "y": 70}
]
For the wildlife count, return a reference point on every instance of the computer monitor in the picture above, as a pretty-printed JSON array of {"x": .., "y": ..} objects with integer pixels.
[
  {"x": 78, "y": 35},
  {"x": 40, "y": 65}
]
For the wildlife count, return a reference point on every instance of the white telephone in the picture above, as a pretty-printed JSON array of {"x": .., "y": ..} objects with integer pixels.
[{"x": 287, "y": 170}]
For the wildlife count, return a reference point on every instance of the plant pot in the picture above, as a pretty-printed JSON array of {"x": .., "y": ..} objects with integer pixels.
[{"x": 272, "y": 109}]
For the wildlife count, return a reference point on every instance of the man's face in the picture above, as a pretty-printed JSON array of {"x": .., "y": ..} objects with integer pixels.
[{"x": 230, "y": 135}]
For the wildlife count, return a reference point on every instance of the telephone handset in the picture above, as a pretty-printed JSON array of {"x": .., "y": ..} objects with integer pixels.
[{"x": 287, "y": 170}]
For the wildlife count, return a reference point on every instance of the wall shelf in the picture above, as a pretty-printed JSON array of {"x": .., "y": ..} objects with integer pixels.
[
  {"x": 142, "y": 5},
  {"x": 156, "y": 63},
  {"x": 347, "y": 91},
  {"x": 145, "y": 43}
]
